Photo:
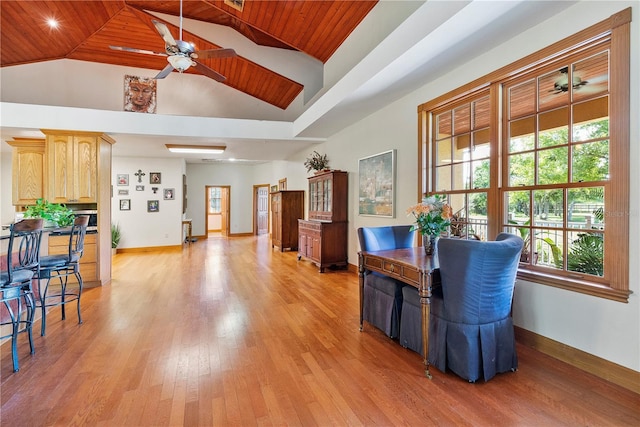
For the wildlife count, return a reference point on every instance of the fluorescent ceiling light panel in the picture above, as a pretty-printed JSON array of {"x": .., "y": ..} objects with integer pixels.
[{"x": 196, "y": 149}]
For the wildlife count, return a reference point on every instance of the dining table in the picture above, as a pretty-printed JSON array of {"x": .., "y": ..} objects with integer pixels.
[{"x": 411, "y": 266}]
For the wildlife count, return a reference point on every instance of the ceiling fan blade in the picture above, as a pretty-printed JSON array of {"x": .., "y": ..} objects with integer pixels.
[
  {"x": 164, "y": 32},
  {"x": 209, "y": 72},
  {"x": 134, "y": 50},
  {"x": 599, "y": 79},
  {"x": 165, "y": 72},
  {"x": 214, "y": 53}
]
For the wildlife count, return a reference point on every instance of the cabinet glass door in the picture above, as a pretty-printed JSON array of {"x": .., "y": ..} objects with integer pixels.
[
  {"x": 328, "y": 202},
  {"x": 313, "y": 197}
]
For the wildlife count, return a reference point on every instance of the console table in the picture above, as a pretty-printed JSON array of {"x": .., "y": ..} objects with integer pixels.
[{"x": 411, "y": 266}]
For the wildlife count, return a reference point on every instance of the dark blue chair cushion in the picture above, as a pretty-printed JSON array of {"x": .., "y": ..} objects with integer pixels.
[
  {"x": 19, "y": 276},
  {"x": 52, "y": 261}
]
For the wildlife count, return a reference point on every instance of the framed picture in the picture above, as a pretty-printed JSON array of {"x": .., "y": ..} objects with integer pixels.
[
  {"x": 125, "y": 204},
  {"x": 123, "y": 179},
  {"x": 153, "y": 206},
  {"x": 184, "y": 194},
  {"x": 140, "y": 94},
  {"x": 139, "y": 187},
  {"x": 169, "y": 193},
  {"x": 376, "y": 189},
  {"x": 123, "y": 192},
  {"x": 155, "y": 178}
]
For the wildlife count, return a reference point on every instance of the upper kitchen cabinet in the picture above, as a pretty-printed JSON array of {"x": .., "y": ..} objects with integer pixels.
[
  {"x": 28, "y": 170},
  {"x": 72, "y": 165}
]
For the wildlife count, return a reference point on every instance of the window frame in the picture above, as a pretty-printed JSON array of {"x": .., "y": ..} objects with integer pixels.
[{"x": 616, "y": 32}]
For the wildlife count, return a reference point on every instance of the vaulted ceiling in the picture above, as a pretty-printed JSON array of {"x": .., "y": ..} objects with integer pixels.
[{"x": 86, "y": 29}]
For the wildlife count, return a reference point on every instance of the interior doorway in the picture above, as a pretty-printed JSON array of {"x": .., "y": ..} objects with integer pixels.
[
  {"x": 261, "y": 209},
  {"x": 217, "y": 209}
]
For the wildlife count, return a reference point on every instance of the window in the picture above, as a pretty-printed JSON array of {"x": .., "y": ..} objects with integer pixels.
[
  {"x": 540, "y": 149},
  {"x": 215, "y": 195},
  {"x": 462, "y": 166}
]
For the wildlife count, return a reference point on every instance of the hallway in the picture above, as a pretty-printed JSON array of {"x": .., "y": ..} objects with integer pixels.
[{"x": 227, "y": 331}]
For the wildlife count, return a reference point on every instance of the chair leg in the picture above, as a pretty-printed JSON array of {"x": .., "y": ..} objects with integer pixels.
[
  {"x": 42, "y": 296},
  {"x": 31, "y": 311},
  {"x": 63, "y": 291},
  {"x": 80, "y": 285},
  {"x": 14, "y": 334}
]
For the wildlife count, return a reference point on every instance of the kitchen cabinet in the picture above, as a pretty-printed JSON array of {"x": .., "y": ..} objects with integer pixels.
[
  {"x": 89, "y": 261},
  {"x": 72, "y": 165},
  {"x": 28, "y": 171},
  {"x": 287, "y": 207}
]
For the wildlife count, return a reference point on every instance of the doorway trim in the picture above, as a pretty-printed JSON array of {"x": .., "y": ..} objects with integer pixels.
[{"x": 225, "y": 224}]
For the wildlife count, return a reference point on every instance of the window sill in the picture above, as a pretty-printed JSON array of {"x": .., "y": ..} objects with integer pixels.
[{"x": 581, "y": 286}]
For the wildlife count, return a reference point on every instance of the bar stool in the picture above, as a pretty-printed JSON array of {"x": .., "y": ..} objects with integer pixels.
[
  {"x": 15, "y": 282},
  {"x": 60, "y": 267}
]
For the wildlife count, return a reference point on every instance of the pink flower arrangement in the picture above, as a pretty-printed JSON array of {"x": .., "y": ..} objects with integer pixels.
[{"x": 433, "y": 215}]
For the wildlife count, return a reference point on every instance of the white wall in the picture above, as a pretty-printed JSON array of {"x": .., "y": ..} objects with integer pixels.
[
  {"x": 240, "y": 178},
  {"x": 607, "y": 329},
  {"x": 142, "y": 229}
]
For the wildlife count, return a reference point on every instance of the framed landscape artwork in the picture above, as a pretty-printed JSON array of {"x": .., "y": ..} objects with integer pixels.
[{"x": 376, "y": 186}]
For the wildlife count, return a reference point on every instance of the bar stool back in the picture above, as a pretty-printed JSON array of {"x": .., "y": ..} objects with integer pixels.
[{"x": 23, "y": 258}]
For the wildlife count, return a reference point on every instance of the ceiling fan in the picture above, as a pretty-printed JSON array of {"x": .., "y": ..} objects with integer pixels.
[
  {"x": 562, "y": 83},
  {"x": 181, "y": 55}
]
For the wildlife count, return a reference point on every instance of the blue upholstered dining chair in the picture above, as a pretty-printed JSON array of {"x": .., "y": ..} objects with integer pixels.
[
  {"x": 23, "y": 258},
  {"x": 382, "y": 300},
  {"x": 470, "y": 326}
]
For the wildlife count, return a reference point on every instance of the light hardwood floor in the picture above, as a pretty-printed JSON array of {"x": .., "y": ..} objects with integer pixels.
[{"x": 231, "y": 332}]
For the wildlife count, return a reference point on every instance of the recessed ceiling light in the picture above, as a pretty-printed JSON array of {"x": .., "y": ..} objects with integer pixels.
[
  {"x": 196, "y": 149},
  {"x": 52, "y": 23}
]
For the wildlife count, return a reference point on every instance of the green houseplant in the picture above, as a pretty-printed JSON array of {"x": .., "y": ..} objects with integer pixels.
[
  {"x": 316, "y": 162},
  {"x": 54, "y": 214},
  {"x": 116, "y": 234}
]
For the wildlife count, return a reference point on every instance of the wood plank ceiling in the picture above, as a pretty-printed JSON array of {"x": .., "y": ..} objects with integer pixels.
[{"x": 87, "y": 28}]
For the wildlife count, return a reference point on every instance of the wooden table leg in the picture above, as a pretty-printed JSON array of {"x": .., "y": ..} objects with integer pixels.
[{"x": 425, "y": 301}]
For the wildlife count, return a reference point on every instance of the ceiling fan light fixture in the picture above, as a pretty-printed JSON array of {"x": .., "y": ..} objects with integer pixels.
[
  {"x": 179, "y": 62},
  {"x": 196, "y": 149}
]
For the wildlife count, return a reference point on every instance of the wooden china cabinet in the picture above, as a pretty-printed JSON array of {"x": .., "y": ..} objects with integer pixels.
[
  {"x": 323, "y": 237},
  {"x": 287, "y": 207}
]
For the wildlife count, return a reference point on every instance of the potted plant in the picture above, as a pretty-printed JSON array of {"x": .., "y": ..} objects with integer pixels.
[
  {"x": 116, "y": 234},
  {"x": 54, "y": 214},
  {"x": 316, "y": 162}
]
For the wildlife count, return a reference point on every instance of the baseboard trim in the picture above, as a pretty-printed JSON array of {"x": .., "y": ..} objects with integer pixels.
[
  {"x": 149, "y": 249},
  {"x": 617, "y": 374}
]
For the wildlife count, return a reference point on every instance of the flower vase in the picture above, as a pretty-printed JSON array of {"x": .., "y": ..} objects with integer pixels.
[{"x": 430, "y": 244}]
